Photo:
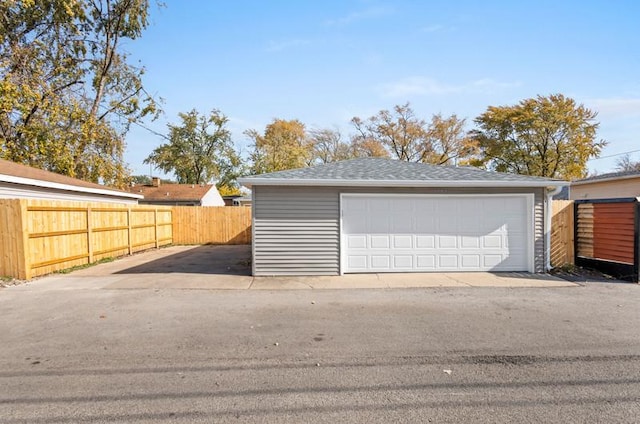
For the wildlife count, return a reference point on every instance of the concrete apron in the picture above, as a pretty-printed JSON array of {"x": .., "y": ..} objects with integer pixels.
[{"x": 226, "y": 268}]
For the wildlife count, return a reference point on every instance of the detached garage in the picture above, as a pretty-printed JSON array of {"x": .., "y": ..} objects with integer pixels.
[{"x": 375, "y": 215}]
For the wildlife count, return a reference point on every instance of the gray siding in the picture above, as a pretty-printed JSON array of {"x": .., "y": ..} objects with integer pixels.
[{"x": 297, "y": 229}]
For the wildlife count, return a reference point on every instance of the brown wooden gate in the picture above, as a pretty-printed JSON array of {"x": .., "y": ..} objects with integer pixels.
[{"x": 606, "y": 236}]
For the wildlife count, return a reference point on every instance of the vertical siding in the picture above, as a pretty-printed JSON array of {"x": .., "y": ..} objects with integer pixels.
[{"x": 297, "y": 230}]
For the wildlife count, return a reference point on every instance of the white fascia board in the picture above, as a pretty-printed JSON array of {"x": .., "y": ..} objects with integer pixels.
[
  {"x": 248, "y": 182},
  {"x": 602, "y": 180},
  {"x": 67, "y": 187}
]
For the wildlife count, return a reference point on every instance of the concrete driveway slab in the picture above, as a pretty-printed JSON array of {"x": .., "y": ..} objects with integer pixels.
[
  {"x": 508, "y": 279},
  {"x": 435, "y": 279},
  {"x": 183, "y": 281},
  {"x": 229, "y": 268}
]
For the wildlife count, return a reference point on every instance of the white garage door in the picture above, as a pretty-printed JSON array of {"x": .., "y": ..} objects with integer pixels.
[{"x": 398, "y": 233}]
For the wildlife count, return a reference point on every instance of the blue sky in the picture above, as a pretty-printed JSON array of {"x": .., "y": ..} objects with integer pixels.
[{"x": 324, "y": 62}]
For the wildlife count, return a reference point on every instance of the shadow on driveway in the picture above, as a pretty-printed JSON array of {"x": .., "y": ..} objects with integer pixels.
[{"x": 207, "y": 259}]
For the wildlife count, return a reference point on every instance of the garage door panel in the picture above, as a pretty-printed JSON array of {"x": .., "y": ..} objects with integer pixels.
[
  {"x": 491, "y": 261},
  {"x": 379, "y": 241},
  {"x": 357, "y": 241},
  {"x": 470, "y": 242},
  {"x": 448, "y": 262},
  {"x": 447, "y": 242},
  {"x": 492, "y": 241},
  {"x": 403, "y": 261},
  {"x": 435, "y": 233},
  {"x": 380, "y": 262},
  {"x": 425, "y": 242},
  {"x": 404, "y": 241},
  {"x": 426, "y": 262},
  {"x": 470, "y": 261}
]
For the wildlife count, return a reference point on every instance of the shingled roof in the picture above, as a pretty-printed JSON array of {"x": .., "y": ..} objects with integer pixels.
[
  {"x": 389, "y": 172},
  {"x": 609, "y": 176},
  {"x": 11, "y": 172},
  {"x": 172, "y": 192}
]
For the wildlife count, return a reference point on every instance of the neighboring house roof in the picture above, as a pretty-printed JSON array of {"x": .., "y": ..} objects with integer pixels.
[
  {"x": 15, "y": 173},
  {"x": 563, "y": 194},
  {"x": 611, "y": 176},
  {"x": 173, "y": 192},
  {"x": 389, "y": 172}
]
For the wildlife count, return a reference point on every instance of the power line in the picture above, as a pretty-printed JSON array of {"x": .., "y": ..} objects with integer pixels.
[
  {"x": 151, "y": 131},
  {"x": 616, "y": 154}
]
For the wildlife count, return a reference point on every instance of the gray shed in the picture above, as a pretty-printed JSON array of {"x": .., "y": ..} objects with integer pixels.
[{"x": 374, "y": 215}]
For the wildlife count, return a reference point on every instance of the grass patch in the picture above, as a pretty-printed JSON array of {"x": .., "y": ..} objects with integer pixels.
[{"x": 84, "y": 266}]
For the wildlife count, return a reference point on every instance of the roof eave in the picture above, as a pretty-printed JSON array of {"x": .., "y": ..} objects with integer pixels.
[
  {"x": 603, "y": 180},
  {"x": 249, "y": 182},
  {"x": 67, "y": 187}
]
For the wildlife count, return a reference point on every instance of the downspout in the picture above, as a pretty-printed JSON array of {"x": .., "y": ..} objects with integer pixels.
[{"x": 547, "y": 225}]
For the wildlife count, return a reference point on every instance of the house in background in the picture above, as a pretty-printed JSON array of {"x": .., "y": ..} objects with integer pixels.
[
  {"x": 178, "y": 194},
  {"x": 19, "y": 181},
  {"x": 607, "y": 186},
  {"x": 237, "y": 200},
  {"x": 373, "y": 215}
]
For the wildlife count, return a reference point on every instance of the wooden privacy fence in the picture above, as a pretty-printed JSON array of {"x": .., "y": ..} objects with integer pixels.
[
  {"x": 40, "y": 237},
  {"x": 562, "y": 233},
  {"x": 211, "y": 225}
]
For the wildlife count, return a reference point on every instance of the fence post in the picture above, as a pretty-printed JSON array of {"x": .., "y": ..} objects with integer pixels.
[
  {"x": 636, "y": 244},
  {"x": 89, "y": 235},
  {"x": 129, "y": 230},
  {"x": 23, "y": 242},
  {"x": 155, "y": 221},
  {"x": 575, "y": 232},
  {"x": 14, "y": 239}
]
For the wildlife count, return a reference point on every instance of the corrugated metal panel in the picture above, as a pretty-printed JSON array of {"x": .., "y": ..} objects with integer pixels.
[{"x": 296, "y": 230}]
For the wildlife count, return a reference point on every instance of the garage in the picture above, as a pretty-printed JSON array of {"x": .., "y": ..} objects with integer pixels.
[
  {"x": 429, "y": 233},
  {"x": 373, "y": 215}
]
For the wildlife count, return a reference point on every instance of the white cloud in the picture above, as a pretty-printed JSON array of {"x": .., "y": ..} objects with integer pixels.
[
  {"x": 424, "y": 86},
  {"x": 370, "y": 13},
  {"x": 615, "y": 107},
  {"x": 278, "y": 46}
]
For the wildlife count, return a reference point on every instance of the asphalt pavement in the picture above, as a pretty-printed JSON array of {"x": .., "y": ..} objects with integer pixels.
[{"x": 458, "y": 354}]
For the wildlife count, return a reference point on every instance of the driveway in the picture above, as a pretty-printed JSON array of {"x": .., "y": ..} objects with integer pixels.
[
  {"x": 82, "y": 350},
  {"x": 229, "y": 267}
]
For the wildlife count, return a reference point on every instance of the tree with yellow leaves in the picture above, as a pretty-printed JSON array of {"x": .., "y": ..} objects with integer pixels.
[
  {"x": 67, "y": 93},
  {"x": 550, "y": 136},
  {"x": 284, "y": 144}
]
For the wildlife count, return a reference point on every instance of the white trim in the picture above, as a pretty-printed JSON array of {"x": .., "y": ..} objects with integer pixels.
[
  {"x": 603, "y": 180},
  {"x": 530, "y": 199},
  {"x": 248, "y": 182},
  {"x": 67, "y": 187},
  {"x": 9, "y": 191},
  {"x": 253, "y": 233}
]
